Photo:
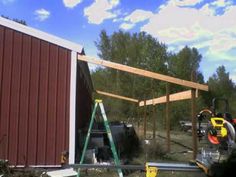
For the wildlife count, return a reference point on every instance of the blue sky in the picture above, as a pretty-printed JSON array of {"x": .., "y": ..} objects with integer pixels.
[{"x": 208, "y": 25}]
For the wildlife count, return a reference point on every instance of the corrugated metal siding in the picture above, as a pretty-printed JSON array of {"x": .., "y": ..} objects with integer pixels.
[{"x": 34, "y": 99}]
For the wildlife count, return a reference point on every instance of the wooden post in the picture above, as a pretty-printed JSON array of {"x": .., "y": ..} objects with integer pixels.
[
  {"x": 168, "y": 117},
  {"x": 145, "y": 120},
  {"x": 154, "y": 121},
  {"x": 193, "y": 115},
  {"x": 153, "y": 113},
  {"x": 138, "y": 118}
]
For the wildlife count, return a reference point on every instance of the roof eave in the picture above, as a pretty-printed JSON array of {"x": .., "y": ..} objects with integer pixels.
[{"x": 41, "y": 35}]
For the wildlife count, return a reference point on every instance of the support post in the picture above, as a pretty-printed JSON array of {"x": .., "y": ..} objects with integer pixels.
[
  {"x": 193, "y": 115},
  {"x": 194, "y": 123},
  {"x": 153, "y": 113},
  {"x": 154, "y": 121},
  {"x": 168, "y": 117},
  {"x": 145, "y": 120},
  {"x": 138, "y": 119}
]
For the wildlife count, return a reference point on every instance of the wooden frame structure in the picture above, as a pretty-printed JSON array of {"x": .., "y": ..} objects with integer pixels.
[
  {"x": 144, "y": 73},
  {"x": 117, "y": 96},
  {"x": 193, "y": 85},
  {"x": 185, "y": 95}
]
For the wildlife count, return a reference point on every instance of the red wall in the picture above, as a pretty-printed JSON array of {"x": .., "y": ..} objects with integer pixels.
[{"x": 34, "y": 99}]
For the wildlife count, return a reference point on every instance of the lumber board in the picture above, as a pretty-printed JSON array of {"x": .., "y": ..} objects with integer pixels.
[
  {"x": 117, "y": 96},
  {"x": 173, "y": 97},
  {"x": 142, "y": 72}
]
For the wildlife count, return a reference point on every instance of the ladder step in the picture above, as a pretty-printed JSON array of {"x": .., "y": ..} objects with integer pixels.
[{"x": 98, "y": 132}]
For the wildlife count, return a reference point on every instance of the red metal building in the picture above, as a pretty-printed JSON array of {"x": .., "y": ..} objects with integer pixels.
[{"x": 45, "y": 95}]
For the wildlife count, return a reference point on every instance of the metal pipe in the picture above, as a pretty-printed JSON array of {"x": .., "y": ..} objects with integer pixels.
[{"x": 161, "y": 166}]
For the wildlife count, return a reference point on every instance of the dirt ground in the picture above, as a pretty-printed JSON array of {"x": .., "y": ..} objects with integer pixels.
[
  {"x": 153, "y": 152},
  {"x": 180, "y": 152}
]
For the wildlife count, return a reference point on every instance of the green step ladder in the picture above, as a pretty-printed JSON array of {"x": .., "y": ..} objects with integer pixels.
[{"x": 108, "y": 131}]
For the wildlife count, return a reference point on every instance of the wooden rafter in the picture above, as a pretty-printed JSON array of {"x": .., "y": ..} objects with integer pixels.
[
  {"x": 142, "y": 72},
  {"x": 117, "y": 96},
  {"x": 173, "y": 97}
]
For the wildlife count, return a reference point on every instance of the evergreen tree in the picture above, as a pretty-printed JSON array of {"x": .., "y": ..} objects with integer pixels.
[{"x": 221, "y": 86}]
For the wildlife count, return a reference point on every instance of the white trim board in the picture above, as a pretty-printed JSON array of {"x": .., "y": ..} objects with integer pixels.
[
  {"x": 41, "y": 35},
  {"x": 72, "y": 107}
]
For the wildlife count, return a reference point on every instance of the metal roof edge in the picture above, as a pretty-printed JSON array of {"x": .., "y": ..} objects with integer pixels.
[{"x": 41, "y": 35}]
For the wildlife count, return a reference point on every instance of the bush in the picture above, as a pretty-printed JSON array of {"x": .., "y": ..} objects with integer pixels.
[
  {"x": 154, "y": 150},
  {"x": 6, "y": 171}
]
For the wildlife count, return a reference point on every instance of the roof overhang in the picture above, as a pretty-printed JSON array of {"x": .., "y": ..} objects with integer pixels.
[{"x": 41, "y": 35}]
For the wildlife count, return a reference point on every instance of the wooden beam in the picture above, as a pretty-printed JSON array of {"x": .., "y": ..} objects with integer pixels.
[
  {"x": 173, "y": 97},
  {"x": 142, "y": 72},
  {"x": 117, "y": 96}
]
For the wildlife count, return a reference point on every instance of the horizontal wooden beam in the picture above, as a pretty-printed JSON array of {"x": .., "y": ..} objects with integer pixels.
[
  {"x": 142, "y": 72},
  {"x": 117, "y": 96},
  {"x": 173, "y": 97}
]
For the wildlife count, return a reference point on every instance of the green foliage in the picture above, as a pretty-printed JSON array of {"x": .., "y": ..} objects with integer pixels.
[
  {"x": 7, "y": 171},
  {"x": 155, "y": 150},
  {"x": 143, "y": 51},
  {"x": 4, "y": 168},
  {"x": 221, "y": 86},
  {"x": 137, "y": 50},
  {"x": 185, "y": 65}
]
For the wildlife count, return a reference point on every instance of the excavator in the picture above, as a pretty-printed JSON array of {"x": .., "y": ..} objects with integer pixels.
[{"x": 217, "y": 138}]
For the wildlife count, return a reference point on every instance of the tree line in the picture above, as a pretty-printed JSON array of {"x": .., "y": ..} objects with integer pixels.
[{"x": 143, "y": 51}]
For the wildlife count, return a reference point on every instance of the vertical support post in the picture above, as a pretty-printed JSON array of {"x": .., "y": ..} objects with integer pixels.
[
  {"x": 168, "y": 117},
  {"x": 138, "y": 118},
  {"x": 194, "y": 122},
  {"x": 193, "y": 115},
  {"x": 153, "y": 114},
  {"x": 154, "y": 121},
  {"x": 145, "y": 119}
]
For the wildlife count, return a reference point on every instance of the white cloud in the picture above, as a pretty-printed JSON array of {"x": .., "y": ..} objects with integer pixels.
[
  {"x": 222, "y": 3},
  {"x": 126, "y": 26},
  {"x": 138, "y": 16},
  {"x": 201, "y": 28},
  {"x": 7, "y": 1},
  {"x": 42, "y": 14},
  {"x": 114, "y": 2},
  {"x": 100, "y": 10},
  {"x": 184, "y": 2},
  {"x": 233, "y": 77},
  {"x": 207, "y": 10},
  {"x": 71, "y": 3},
  {"x": 135, "y": 17}
]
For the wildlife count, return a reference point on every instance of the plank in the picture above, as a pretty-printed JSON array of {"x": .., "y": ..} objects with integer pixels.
[
  {"x": 142, "y": 72},
  {"x": 185, "y": 95},
  {"x": 117, "y": 96}
]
